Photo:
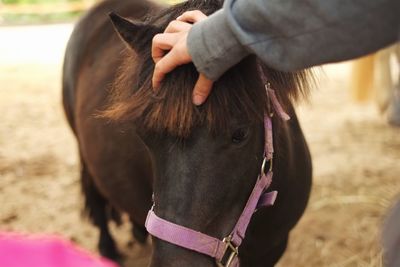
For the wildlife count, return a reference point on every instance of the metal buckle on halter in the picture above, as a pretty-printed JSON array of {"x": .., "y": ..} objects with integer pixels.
[
  {"x": 263, "y": 165},
  {"x": 230, "y": 253}
]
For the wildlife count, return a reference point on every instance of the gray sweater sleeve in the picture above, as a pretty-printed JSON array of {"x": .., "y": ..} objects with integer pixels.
[{"x": 290, "y": 35}]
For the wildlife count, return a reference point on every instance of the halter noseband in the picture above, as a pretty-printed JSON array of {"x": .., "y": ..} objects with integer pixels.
[{"x": 225, "y": 251}]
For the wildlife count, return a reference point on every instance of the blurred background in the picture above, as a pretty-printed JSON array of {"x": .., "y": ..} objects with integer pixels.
[{"x": 356, "y": 153}]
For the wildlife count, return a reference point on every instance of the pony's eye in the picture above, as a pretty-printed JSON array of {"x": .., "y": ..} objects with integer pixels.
[{"x": 239, "y": 135}]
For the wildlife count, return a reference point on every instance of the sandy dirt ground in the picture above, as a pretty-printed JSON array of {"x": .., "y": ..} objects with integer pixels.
[{"x": 355, "y": 154}]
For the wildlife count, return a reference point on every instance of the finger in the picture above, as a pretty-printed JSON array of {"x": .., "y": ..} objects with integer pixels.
[
  {"x": 177, "y": 26},
  {"x": 192, "y": 16},
  {"x": 161, "y": 43},
  {"x": 201, "y": 90},
  {"x": 164, "y": 66}
]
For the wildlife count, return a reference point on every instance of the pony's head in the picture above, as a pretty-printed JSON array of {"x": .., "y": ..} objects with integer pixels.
[{"x": 207, "y": 158}]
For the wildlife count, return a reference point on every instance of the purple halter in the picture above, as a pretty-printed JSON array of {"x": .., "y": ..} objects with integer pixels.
[{"x": 225, "y": 251}]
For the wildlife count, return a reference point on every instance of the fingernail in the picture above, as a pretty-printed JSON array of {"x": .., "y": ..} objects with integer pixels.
[
  {"x": 155, "y": 85},
  {"x": 178, "y": 18},
  {"x": 198, "y": 100}
]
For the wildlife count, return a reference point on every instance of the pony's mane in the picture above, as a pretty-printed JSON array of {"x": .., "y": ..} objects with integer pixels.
[{"x": 170, "y": 109}]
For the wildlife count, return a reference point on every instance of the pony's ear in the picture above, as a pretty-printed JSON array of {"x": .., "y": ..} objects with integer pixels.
[{"x": 132, "y": 33}]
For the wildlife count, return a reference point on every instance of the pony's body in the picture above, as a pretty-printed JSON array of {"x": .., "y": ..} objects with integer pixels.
[{"x": 117, "y": 166}]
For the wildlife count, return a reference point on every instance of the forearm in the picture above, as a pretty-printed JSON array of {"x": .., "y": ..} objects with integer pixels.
[{"x": 291, "y": 34}]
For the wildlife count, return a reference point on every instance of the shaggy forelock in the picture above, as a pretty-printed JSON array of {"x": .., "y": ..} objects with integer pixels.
[{"x": 170, "y": 109}]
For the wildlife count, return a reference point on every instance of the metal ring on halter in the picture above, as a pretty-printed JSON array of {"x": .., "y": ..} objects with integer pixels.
[{"x": 265, "y": 161}]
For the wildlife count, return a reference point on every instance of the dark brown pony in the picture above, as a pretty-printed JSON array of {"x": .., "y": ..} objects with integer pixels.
[{"x": 200, "y": 162}]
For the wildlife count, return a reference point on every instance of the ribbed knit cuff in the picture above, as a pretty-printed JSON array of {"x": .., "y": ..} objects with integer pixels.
[{"x": 214, "y": 47}]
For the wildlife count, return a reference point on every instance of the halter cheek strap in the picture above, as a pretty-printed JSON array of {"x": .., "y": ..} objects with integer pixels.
[{"x": 225, "y": 251}]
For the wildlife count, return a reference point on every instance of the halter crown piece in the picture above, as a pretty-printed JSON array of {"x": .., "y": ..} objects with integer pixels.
[{"x": 225, "y": 252}]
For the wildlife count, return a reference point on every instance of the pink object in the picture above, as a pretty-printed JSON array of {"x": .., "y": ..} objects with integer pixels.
[{"x": 19, "y": 250}]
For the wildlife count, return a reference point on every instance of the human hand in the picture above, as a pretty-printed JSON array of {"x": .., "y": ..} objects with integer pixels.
[{"x": 169, "y": 50}]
